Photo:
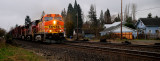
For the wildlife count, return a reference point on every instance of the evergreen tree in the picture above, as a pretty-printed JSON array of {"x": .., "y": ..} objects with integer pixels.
[
  {"x": 70, "y": 9},
  {"x": 69, "y": 24},
  {"x": 107, "y": 17},
  {"x": 72, "y": 14},
  {"x": 156, "y": 16},
  {"x": 75, "y": 14},
  {"x": 117, "y": 19},
  {"x": 101, "y": 22},
  {"x": 75, "y": 6},
  {"x": 80, "y": 21},
  {"x": 93, "y": 17},
  {"x": 64, "y": 14},
  {"x": 16, "y": 25},
  {"x": 27, "y": 20},
  {"x": 149, "y": 15},
  {"x": 43, "y": 13},
  {"x": 101, "y": 18},
  {"x": 129, "y": 23},
  {"x": 129, "y": 20},
  {"x": 69, "y": 27}
]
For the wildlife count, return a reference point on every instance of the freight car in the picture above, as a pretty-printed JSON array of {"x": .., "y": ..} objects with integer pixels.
[{"x": 49, "y": 29}]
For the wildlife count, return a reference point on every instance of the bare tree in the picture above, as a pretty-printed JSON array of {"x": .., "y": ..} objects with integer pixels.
[
  {"x": 134, "y": 7},
  {"x": 126, "y": 12}
]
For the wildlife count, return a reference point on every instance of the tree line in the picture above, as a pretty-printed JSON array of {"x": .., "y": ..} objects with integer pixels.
[
  {"x": 74, "y": 13},
  {"x": 93, "y": 24},
  {"x": 70, "y": 18}
]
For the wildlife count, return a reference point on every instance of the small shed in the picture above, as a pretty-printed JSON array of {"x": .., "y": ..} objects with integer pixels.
[
  {"x": 79, "y": 31},
  {"x": 89, "y": 34},
  {"x": 127, "y": 32}
]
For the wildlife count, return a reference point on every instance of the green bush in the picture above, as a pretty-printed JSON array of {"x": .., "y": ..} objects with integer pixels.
[
  {"x": 2, "y": 32},
  {"x": 130, "y": 25}
]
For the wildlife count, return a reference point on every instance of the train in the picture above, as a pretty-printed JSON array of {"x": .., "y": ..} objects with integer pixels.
[{"x": 48, "y": 29}]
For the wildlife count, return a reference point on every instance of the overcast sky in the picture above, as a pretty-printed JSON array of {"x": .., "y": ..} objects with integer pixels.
[{"x": 13, "y": 12}]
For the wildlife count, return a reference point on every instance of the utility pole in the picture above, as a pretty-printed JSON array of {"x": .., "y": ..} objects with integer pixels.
[
  {"x": 121, "y": 20},
  {"x": 77, "y": 26}
]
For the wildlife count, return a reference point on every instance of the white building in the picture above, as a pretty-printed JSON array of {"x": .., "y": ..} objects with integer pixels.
[{"x": 116, "y": 28}]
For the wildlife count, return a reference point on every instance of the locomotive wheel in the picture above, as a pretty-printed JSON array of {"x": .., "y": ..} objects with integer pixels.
[
  {"x": 38, "y": 38},
  {"x": 29, "y": 38},
  {"x": 22, "y": 37}
]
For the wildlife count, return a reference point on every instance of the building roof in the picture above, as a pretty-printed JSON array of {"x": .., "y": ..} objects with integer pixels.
[
  {"x": 115, "y": 29},
  {"x": 150, "y": 21},
  {"x": 109, "y": 27},
  {"x": 112, "y": 25},
  {"x": 116, "y": 25},
  {"x": 124, "y": 29}
]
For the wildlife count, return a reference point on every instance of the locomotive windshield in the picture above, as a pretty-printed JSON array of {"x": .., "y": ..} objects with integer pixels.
[
  {"x": 57, "y": 18},
  {"x": 48, "y": 18}
]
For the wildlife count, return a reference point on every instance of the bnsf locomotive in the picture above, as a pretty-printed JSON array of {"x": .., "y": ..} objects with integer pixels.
[{"x": 49, "y": 29}]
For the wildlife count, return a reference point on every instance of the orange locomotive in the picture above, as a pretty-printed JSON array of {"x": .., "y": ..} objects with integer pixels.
[{"x": 51, "y": 28}]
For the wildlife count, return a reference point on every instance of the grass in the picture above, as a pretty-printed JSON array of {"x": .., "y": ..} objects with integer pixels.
[
  {"x": 12, "y": 53},
  {"x": 134, "y": 41}
]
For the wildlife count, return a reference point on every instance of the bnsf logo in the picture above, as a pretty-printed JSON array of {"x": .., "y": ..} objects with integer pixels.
[{"x": 53, "y": 26}]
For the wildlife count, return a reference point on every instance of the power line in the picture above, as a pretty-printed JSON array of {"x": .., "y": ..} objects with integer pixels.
[
  {"x": 147, "y": 9},
  {"x": 136, "y": 11},
  {"x": 140, "y": 10}
]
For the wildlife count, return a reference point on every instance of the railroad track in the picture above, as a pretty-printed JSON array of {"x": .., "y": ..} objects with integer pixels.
[
  {"x": 147, "y": 54},
  {"x": 151, "y": 48}
]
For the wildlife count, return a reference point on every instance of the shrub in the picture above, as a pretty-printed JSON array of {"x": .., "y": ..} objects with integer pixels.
[
  {"x": 126, "y": 42},
  {"x": 102, "y": 40},
  {"x": 2, "y": 32}
]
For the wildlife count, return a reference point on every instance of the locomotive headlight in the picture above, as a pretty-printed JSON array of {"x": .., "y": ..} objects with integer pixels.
[
  {"x": 50, "y": 30},
  {"x": 54, "y": 22}
]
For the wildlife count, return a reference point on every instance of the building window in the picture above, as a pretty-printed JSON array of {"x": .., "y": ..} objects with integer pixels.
[
  {"x": 157, "y": 31},
  {"x": 150, "y": 31}
]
